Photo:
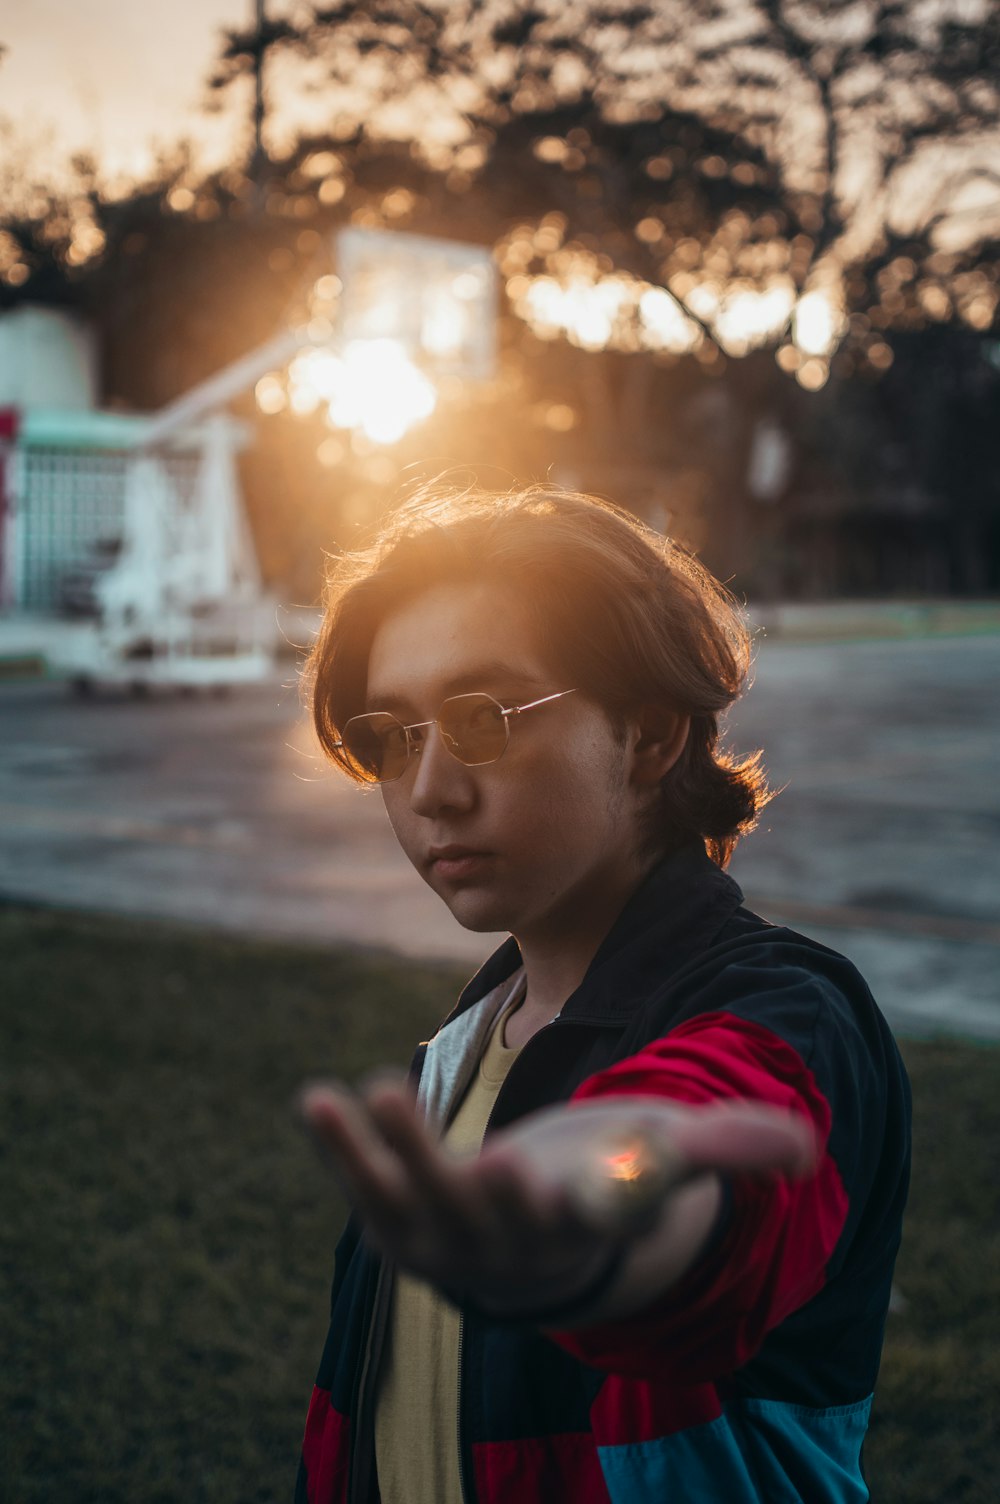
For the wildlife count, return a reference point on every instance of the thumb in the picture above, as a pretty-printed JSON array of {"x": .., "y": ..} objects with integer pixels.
[{"x": 742, "y": 1137}]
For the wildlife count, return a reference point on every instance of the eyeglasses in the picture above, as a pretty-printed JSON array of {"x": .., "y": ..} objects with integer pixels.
[{"x": 475, "y": 729}]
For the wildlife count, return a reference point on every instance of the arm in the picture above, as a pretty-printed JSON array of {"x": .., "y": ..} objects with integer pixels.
[
  {"x": 537, "y": 1219},
  {"x": 780, "y": 1230}
]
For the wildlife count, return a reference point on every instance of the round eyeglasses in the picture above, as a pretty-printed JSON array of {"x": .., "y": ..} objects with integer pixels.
[{"x": 474, "y": 728}]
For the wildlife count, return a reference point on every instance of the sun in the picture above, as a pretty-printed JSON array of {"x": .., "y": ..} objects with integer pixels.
[{"x": 371, "y": 386}]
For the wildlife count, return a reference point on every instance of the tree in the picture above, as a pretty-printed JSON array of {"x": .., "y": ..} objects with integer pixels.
[
  {"x": 741, "y": 154},
  {"x": 685, "y": 190},
  {"x": 796, "y": 174}
]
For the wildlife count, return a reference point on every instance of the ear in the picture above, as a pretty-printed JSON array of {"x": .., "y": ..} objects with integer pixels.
[{"x": 660, "y": 738}]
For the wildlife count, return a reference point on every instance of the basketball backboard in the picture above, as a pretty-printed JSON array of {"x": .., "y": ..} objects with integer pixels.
[{"x": 436, "y": 298}]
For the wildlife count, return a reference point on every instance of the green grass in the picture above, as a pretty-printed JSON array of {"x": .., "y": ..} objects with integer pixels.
[
  {"x": 935, "y": 1434},
  {"x": 166, "y": 1233}
]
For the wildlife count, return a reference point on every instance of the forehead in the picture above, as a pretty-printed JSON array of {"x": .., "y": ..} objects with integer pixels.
[{"x": 452, "y": 638}]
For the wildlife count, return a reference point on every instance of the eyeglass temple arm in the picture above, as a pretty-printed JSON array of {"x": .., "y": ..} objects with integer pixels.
[
  {"x": 513, "y": 710},
  {"x": 519, "y": 709}
]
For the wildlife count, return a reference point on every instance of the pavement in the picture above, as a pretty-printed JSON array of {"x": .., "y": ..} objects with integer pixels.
[
  {"x": 220, "y": 812},
  {"x": 853, "y": 620}
]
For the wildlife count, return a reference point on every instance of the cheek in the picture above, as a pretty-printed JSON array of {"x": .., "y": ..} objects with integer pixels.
[
  {"x": 400, "y": 815},
  {"x": 593, "y": 770},
  {"x": 579, "y": 801}
]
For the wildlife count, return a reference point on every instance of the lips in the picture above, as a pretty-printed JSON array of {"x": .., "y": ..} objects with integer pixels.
[
  {"x": 456, "y": 861},
  {"x": 453, "y": 853}
]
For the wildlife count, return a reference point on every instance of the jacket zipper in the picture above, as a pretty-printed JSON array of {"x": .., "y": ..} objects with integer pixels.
[
  {"x": 466, "y": 1488},
  {"x": 463, "y": 1490},
  {"x": 360, "y": 1479}
]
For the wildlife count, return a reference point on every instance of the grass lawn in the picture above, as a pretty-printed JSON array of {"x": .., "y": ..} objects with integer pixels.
[{"x": 166, "y": 1234}]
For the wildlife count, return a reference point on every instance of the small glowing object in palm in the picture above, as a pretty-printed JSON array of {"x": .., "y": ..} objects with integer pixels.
[
  {"x": 626, "y": 1180},
  {"x": 626, "y": 1165}
]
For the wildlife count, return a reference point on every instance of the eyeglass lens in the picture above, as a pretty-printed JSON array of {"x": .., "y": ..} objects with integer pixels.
[
  {"x": 376, "y": 745},
  {"x": 474, "y": 729}
]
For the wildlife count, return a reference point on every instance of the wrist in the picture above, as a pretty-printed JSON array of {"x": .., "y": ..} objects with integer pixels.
[{"x": 554, "y": 1303}]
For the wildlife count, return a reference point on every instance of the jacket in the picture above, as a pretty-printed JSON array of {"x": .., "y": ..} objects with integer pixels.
[{"x": 752, "y": 1379}]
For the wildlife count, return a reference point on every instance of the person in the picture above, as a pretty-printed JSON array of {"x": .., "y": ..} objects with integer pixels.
[{"x": 627, "y": 1230}]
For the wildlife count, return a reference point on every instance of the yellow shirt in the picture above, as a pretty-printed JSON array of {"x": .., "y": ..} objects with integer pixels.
[{"x": 416, "y": 1409}]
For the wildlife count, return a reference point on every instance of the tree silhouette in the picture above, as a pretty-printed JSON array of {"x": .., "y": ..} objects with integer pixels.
[
  {"x": 735, "y": 153},
  {"x": 721, "y": 153},
  {"x": 870, "y": 126}
]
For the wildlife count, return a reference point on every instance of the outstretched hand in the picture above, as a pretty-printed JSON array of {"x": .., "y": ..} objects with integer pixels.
[{"x": 538, "y": 1212}]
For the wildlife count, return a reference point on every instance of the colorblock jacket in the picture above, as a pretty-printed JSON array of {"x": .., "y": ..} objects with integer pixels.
[{"x": 751, "y": 1381}]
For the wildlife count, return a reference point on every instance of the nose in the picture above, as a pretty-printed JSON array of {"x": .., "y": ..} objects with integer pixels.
[{"x": 440, "y": 781}]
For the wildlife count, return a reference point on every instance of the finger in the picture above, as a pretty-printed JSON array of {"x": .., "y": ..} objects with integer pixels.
[
  {"x": 745, "y": 1137},
  {"x": 619, "y": 1157},
  {"x": 370, "y": 1172},
  {"x": 673, "y": 1140},
  {"x": 449, "y": 1189}
]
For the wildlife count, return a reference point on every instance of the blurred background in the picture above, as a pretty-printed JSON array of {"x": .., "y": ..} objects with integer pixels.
[{"x": 265, "y": 267}]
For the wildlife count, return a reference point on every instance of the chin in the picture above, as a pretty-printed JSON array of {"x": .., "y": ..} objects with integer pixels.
[{"x": 477, "y": 913}]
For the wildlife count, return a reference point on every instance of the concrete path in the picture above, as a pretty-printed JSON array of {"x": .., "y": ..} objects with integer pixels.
[{"x": 883, "y": 841}]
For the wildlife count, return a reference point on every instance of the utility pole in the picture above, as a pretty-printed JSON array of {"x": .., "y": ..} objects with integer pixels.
[
  {"x": 258, "y": 84},
  {"x": 258, "y": 158}
]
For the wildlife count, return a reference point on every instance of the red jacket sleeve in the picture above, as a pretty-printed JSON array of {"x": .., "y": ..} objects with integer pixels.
[{"x": 779, "y": 1233}]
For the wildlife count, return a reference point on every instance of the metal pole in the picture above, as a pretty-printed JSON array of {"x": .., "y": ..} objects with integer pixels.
[
  {"x": 223, "y": 386},
  {"x": 258, "y": 97}
]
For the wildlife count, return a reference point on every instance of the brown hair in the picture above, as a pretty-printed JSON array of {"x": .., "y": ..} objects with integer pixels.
[{"x": 628, "y": 616}]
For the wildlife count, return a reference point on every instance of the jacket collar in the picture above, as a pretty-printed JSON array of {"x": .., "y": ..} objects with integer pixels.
[{"x": 673, "y": 915}]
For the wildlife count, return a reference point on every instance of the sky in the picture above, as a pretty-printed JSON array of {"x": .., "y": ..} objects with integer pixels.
[{"x": 113, "y": 76}]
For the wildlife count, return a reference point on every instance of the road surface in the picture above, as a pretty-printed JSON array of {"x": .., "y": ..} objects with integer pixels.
[{"x": 883, "y": 841}]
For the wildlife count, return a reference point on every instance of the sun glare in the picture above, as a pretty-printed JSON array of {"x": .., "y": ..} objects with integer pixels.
[
  {"x": 616, "y": 310},
  {"x": 443, "y": 329},
  {"x": 665, "y": 326},
  {"x": 372, "y": 387},
  {"x": 583, "y": 299},
  {"x": 817, "y": 324},
  {"x": 596, "y": 312},
  {"x": 748, "y": 317}
]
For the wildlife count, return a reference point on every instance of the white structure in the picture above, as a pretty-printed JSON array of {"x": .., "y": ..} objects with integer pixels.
[
  {"x": 47, "y": 359},
  {"x": 121, "y": 561},
  {"x": 124, "y": 549}
]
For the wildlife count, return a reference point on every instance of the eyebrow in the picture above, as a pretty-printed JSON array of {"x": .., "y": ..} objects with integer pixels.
[{"x": 482, "y": 677}]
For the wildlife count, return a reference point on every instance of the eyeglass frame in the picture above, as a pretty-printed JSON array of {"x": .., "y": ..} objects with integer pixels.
[{"x": 414, "y": 747}]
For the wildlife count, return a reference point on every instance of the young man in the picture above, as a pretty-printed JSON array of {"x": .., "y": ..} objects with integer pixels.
[{"x": 628, "y": 1233}]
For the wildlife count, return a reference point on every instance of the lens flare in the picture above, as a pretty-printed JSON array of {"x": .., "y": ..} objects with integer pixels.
[{"x": 372, "y": 387}]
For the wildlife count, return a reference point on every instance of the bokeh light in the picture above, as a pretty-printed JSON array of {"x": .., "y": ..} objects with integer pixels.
[
  {"x": 372, "y": 386},
  {"x": 818, "y": 324}
]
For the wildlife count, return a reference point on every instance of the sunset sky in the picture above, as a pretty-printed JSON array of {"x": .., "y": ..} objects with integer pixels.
[
  {"x": 116, "y": 77},
  {"x": 113, "y": 76}
]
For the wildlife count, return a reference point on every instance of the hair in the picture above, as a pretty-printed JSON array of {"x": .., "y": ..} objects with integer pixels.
[{"x": 626, "y": 615}]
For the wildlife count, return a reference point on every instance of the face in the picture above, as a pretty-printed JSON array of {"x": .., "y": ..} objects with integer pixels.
[{"x": 538, "y": 841}]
